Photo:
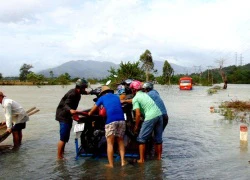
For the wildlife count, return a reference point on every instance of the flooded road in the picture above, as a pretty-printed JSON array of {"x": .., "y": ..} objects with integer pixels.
[{"x": 197, "y": 144}]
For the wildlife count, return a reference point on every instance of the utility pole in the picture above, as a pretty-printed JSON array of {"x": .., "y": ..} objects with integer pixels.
[
  {"x": 200, "y": 74},
  {"x": 236, "y": 59},
  {"x": 194, "y": 69},
  {"x": 241, "y": 60},
  {"x": 207, "y": 74},
  {"x": 210, "y": 69}
]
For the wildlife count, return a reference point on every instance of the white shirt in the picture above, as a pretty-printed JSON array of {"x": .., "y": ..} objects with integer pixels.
[{"x": 14, "y": 113}]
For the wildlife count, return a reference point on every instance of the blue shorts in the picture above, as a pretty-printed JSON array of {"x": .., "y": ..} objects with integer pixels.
[
  {"x": 165, "y": 120},
  {"x": 148, "y": 127},
  {"x": 65, "y": 131},
  {"x": 18, "y": 127}
]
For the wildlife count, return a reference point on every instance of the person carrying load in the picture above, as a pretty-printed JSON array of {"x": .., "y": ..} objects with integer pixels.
[{"x": 15, "y": 117}]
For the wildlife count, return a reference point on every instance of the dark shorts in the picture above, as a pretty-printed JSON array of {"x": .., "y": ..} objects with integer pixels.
[
  {"x": 151, "y": 126},
  {"x": 165, "y": 120},
  {"x": 65, "y": 131},
  {"x": 18, "y": 127}
]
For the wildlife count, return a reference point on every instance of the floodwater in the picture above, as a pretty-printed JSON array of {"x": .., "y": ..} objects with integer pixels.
[{"x": 197, "y": 144}]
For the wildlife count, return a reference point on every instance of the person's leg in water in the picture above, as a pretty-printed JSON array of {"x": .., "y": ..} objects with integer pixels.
[
  {"x": 142, "y": 148},
  {"x": 64, "y": 138},
  {"x": 20, "y": 134},
  {"x": 110, "y": 150},
  {"x": 121, "y": 150},
  {"x": 158, "y": 129},
  {"x": 17, "y": 134},
  {"x": 144, "y": 134},
  {"x": 16, "y": 139},
  {"x": 158, "y": 151},
  {"x": 60, "y": 151}
]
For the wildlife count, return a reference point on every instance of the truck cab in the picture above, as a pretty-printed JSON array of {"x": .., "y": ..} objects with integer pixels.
[{"x": 186, "y": 83}]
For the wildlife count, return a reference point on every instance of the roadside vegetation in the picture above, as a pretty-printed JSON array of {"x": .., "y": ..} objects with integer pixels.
[
  {"x": 213, "y": 90},
  {"x": 236, "y": 110}
]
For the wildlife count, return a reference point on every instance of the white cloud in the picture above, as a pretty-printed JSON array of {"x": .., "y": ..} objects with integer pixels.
[{"x": 47, "y": 33}]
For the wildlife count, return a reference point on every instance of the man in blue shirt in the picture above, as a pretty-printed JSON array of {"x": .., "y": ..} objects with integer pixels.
[
  {"x": 149, "y": 88},
  {"x": 115, "y": 123}
]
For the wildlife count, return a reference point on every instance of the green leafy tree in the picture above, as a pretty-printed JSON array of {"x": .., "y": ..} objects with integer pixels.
[
  {"x": 24, "y": 71},
  {"x": 51, "y": 73},
  {"x": 126, "y": 71},
  {"x": 37, "y": 79},
  {"x": 1, "y": 76},
  {"x": 147, "y": 63},
  {"x": 167, "y": 72},
  {"x": 63, "y": 79}
]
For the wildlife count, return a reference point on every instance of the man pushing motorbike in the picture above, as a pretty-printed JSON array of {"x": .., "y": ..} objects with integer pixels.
[{"x": 66, "y": 108}]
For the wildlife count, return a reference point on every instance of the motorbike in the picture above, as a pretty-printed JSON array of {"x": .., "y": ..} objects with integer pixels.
[{"x": 91, "y": 132}]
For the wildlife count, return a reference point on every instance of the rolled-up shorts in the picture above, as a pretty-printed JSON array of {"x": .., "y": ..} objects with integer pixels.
[
  {"x": 65, "y": 131},
  {"x": 18, "y": 127},
  {"x": 116, "y": 128},
  {"x": 148, "y": 127}
]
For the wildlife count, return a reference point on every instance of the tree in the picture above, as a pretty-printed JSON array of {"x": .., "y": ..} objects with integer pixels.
[
  {"x": 63, "y": 79},
  {"x": 167, "y": 72},
  {"x": 147, "y": 63},
  {"x": 51, "y": 73},
  {"x": 222, "y": 73},
  {"x": 24, "y": 71},
  {"x": 130, "y": 70},
  {"x": 1, "y": 76},
  {"x": 126, "y": 71},
  {"x": 35, "y": 78}
]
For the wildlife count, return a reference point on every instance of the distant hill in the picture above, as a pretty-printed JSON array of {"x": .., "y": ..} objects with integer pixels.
[
  {"x": 98, "y": 69},
  {"x": 82, "y": 68}
]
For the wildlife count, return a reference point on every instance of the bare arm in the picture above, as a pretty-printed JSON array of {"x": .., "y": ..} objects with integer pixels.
[
  {"x": 137, "y": 119},
  {"x": 94, "y": 108},
  {"x": 127, "y": 101}
]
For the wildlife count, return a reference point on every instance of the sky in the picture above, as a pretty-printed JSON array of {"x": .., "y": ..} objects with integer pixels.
[{"x": 189, "y": 33}]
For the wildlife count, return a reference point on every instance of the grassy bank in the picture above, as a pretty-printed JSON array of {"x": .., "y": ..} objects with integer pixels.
[{"x": 15, "y": 82}]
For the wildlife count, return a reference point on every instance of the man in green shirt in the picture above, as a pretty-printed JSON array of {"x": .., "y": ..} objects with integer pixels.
[{"x": 143, "y": 104}]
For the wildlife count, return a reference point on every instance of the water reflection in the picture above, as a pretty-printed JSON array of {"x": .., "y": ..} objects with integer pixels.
[
  {"x": 61, "y": 170},
  {"x": 243, "y": 146}
]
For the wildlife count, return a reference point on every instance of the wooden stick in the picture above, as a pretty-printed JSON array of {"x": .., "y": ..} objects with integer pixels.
[
  {"x": 30, "y": 112},
  {"x": 2, "y": 126},
  {"x": 33, "y": 112},
  {"x": 31, "y": 109},
  {"x": 4, "y": 136}
]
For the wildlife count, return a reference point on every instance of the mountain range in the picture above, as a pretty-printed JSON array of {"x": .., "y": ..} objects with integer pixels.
[{"x": 99, "y": 69}]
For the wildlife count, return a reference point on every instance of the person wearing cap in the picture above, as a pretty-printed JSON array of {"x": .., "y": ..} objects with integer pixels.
[
  {"x": 148, "y": 87},
  {"x": 16, "y": 118},
  {"x": 115, "y": 123},
  {"x": 121, "y": 92},
  {"x": 66, "y": 108},
  {"x": 126, "y": 84},
  {"x": 143, "y": 104}
]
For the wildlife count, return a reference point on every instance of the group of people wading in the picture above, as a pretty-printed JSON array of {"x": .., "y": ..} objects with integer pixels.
[{"x": 146, "y": 102}]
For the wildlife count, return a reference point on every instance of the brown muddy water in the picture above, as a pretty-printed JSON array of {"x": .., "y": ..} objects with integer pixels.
[{"x": 197, "y": 144}]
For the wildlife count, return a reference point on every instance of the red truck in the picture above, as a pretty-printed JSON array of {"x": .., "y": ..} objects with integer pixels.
[{"x": 186, "y": 83}]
